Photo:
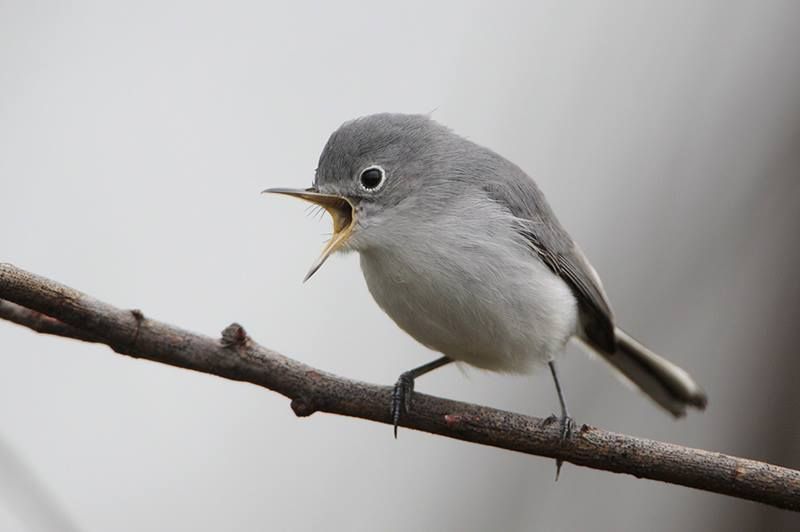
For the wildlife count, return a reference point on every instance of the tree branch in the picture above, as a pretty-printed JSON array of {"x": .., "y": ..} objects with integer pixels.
[{"x": 49, "y": 307}]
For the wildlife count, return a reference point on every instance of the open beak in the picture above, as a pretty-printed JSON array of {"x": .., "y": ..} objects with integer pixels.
[{"x": 341, "y": 211}]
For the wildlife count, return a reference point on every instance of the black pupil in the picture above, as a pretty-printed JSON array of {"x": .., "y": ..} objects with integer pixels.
[{"x": 371, "y": 178}]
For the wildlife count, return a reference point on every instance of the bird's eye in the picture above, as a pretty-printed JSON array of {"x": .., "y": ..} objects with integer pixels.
[{"x": 372, "y": 178}]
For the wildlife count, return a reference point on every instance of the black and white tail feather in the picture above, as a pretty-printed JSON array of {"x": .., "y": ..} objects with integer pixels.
[{"x": 667, "y": 384}]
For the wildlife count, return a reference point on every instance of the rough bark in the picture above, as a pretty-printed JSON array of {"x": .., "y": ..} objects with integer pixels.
[{"x": 49, "y": 307}]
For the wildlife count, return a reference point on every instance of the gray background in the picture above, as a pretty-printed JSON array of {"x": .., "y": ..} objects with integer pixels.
[{"x": 134, "y": 141}]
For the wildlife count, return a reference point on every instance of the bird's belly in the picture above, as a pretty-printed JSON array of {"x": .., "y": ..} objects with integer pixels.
[{"x": 500, "y": 311}]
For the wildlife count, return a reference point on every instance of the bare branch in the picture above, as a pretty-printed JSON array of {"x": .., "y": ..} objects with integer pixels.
[{"x": 235, "y": 356}]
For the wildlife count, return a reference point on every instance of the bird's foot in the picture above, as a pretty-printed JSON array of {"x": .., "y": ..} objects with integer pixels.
[
  {"x": 401, "y": 398},
  {"x": 567, "y": 426}
]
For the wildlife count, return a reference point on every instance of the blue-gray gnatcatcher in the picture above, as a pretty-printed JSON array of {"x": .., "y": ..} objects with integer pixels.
[{"x": 459, "y": 247}]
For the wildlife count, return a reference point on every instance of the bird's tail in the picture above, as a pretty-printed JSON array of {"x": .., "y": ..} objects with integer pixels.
[{"x": 667, "y": 384}]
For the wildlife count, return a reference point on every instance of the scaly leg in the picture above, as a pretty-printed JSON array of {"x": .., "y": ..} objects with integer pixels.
[
  {"x": 404, "y": 388},
  {"x": 566, "y": 422}
]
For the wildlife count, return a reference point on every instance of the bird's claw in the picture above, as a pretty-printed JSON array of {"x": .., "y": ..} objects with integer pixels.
[
  {"x": 401, "y": 398},
  {"x": 567, "y": 426}
]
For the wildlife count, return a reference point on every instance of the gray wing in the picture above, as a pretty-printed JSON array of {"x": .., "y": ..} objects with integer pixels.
[{"x": 516, "y": 191}]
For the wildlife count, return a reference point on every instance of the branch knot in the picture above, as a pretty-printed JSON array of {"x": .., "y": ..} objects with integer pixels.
[
  {"x": 303, "y": 406},
  {"x": 234, "y": 335}
]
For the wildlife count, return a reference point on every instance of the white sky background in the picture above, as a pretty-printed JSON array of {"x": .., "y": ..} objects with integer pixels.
[{"x": 134, "y": 141}]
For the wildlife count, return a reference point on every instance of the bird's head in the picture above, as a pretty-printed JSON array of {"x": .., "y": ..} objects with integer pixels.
[{"x": 373, "y": 175}]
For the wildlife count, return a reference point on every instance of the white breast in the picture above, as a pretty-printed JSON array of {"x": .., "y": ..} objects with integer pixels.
[{"x": 468, "y": 287}]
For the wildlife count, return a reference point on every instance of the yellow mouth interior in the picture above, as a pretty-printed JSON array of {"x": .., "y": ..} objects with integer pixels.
[
  {"x": 342, "y": 214},
  {"x": 340, "y": 209}
]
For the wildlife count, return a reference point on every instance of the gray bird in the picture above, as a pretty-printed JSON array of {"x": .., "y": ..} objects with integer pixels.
[{"x": 460, "y": 248}]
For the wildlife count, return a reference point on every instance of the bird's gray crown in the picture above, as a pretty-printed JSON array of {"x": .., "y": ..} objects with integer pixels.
[{"x": 403, "y": 145}]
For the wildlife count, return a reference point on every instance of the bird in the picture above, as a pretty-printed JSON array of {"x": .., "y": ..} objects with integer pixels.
[{"x": 460, "y": 248}]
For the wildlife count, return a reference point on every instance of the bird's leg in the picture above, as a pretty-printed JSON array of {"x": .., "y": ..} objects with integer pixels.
[
  {"x": 566, "y": 422},
  {"x": 404, "y": 388}
]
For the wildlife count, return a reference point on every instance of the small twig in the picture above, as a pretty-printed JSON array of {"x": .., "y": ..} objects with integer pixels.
[
  {"x": 41, "y": 323},
  {"x": 235, "y": 356}
]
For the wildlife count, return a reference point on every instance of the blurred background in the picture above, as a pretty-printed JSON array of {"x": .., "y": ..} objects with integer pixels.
[{"x": 135, "y": 139}]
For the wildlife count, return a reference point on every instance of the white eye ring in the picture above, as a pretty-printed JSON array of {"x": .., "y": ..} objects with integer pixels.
[{"x": 371, "y": 181}]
